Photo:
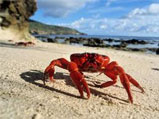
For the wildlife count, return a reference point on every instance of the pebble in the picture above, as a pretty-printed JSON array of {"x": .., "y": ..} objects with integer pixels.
[{"x": 37, "y": 116}]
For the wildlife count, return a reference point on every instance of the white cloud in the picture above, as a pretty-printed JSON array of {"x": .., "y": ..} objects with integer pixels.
[
  {"x": 61, "y": 8},
  {"x": 89, "y": 23},
  {"x": 103, "y": 26},
  {"x": 79, "y": 23},
  {"x": 152, "y": 9},
  {"x": 140, "y": 21}
]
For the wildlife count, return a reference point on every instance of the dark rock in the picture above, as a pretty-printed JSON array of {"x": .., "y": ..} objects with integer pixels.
[
  {"x": 134, "y": 41},
  {"x": 118, "y": 40},
  {"x": 152, "y": 49},
  {"x": 59, "y": 37},
  {"x": 108, "y": 39},
  {"x": 72, "y": 40},
  {"x": 94, "y": 42},
  {"x": 116, "y": 46},
  {"x": 120, "y": 46},
  {"x": 50, "y": 40},
  {"x": 123, "y": 44},
  {"x": 138, "y": 49},
  {"x": 157, "y": 51}
]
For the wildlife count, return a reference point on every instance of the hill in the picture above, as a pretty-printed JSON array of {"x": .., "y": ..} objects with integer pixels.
[{"x": 36, "y": 27}]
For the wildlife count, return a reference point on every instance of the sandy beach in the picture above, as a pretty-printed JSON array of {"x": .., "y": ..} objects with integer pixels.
[{"x": 23, "y": 95}]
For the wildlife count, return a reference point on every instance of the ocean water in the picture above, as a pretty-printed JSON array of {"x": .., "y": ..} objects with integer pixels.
[{"x": 113, "y": 37}]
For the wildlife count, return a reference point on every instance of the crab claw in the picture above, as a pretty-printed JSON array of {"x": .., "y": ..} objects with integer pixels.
[
  {"x": 48, "y": 76},
  {"x": 78, "y": 80}
]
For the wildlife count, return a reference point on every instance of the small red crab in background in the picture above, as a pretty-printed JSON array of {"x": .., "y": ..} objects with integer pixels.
[
  {"x": 92, "y": 62},
  {"x": 29, "y": 43}
]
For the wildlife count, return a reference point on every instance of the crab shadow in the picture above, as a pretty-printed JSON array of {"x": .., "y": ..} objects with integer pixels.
[
  {"x": 156, "y": 69},
  {"x": 33, "y": 76}
]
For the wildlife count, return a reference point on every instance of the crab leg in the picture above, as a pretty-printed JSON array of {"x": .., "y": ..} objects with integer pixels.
[
  {"x": 108, "y": 83},
  {"x": 75, "y": 74},
  {"x": 112, "y": 71},
  {"x": 111, "y": 74},
  {"x": 135, "y": 83},
  {"x": 78, "y": 79},
  {"x": 125, "y": 81}
]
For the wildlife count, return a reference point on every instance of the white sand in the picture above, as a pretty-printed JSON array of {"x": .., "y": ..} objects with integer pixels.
[{"x": 23, "y": 96}]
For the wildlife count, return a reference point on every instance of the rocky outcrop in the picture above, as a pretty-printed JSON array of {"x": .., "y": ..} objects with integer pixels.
[
  {"x": 134, "y": 41},
  {"x": 14, "y": 15},
  {"x": 94, "y": 42}
]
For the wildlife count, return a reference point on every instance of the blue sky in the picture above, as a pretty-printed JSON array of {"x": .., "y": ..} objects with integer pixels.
[{"x": 102, "y": 17}]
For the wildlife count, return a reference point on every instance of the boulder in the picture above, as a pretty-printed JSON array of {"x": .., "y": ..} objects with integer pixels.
[
  {"x": 134, "y": 41},
  {"x": 94, "y": 42},
  {"x": 51, "y": 40},
  {"x": 157, "y": 51},
  {"x": 14, "y": 18},
  {"x": 108, "y": 39}
]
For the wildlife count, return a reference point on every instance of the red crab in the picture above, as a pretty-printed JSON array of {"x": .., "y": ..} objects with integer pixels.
[
  {"x": 92, "y": 62},
  {"x": 29, "y": 43}
]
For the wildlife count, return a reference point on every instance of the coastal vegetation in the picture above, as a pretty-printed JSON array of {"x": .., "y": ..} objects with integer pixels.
[{"x": 36, "y": 27}]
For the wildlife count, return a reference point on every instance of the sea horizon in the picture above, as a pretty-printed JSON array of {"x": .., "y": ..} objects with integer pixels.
[{"x": 116, "y": 37}]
